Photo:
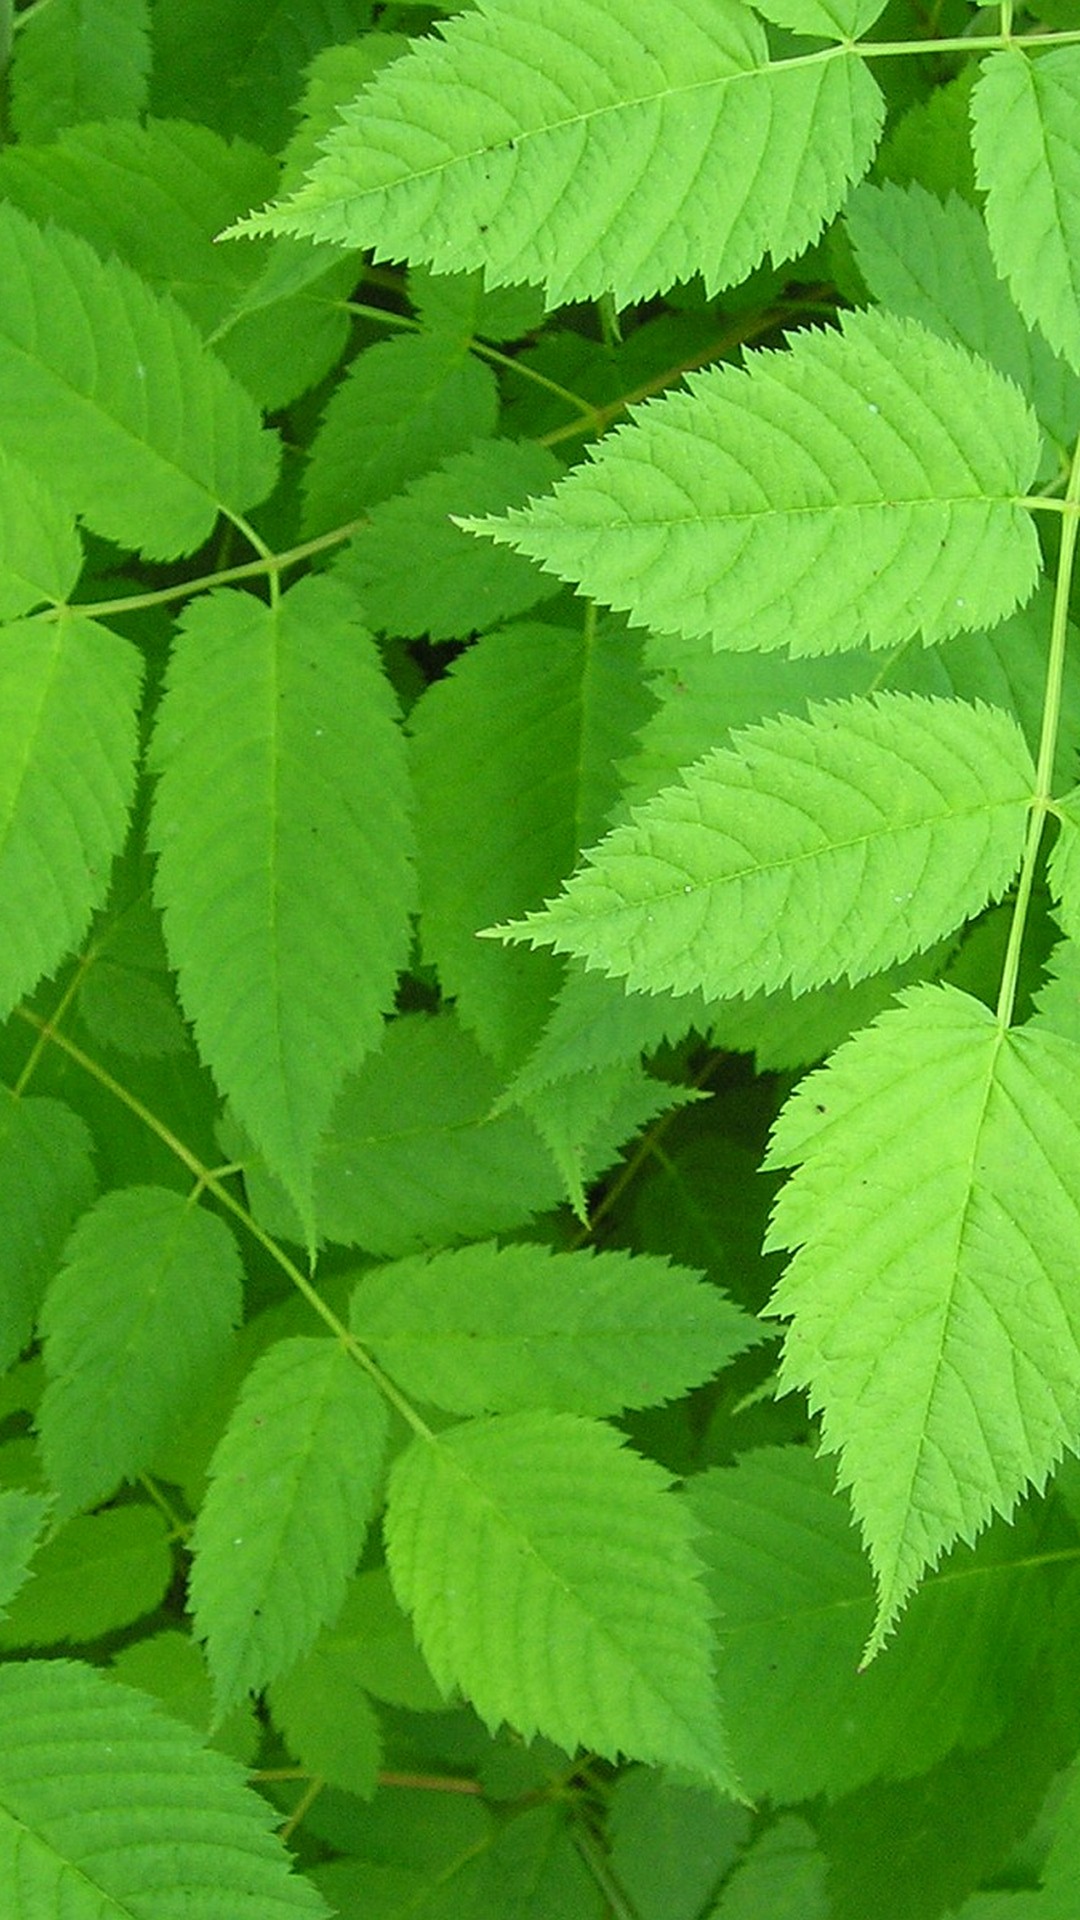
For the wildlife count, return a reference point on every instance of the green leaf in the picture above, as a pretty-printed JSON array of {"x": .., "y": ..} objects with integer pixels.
[
  {"x": 171, "y": 1667},
  {"x": 256, "y": 828},
  {"x": 834, "y": 19},
  {"x": 932, "y": 263},
  {"x": 260, "y": 54},
  {"x": 936, "y": 1226},
  {"x": 459, "y": 587},
  {"x": 1064, "y": 867},
  {"x": 147, "y": 444},
  {"x": 68, "y": 695},
  {"x": 489, "y": 1329},
  {"x": 46, "y": 1179},
  {"x": 514, "y": 759},
  {"x": 292, "y": 1489},
  {"x": 784, "y": 1876},
  {"x": 100, "y": 1572},
  {"x": 327, "y": 1721},
  {"x": 135, "y": 1324},
  {"x": 403, "y": 406},
  {"x": 374, "y": 1639},
  {"x": 40, "y": 550},
  {"x": 795, "y": 1599},
  {"x": 877, "y": 460},
  {"x": 22, "y": 1515},
  {"x": 551, "y": 1577},
  {"x": 1026, "y": 136},
  {"x": 415, "y": 1156},
  {"x": 670, "y": 1845},
  {"x": 812, "y": 849},
  {"x": 601, "y": 149},
  {"x": 79, "y": 60},
  {"x": 109, "y": 1810}
]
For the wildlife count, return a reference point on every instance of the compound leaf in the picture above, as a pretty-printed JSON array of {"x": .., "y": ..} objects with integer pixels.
[
  {"x": 134, "y": 1325},
  {"x": 810, "y": 850},
  {"x": 1026, "y": 137},
  {"x": 149, "y": 441},
  {"x": 603, "y": 148},
  {"x": 292, "y": 1489},
  {"x": 551, "y": 1576},
  {"x": 487, "y": 1329},
  {"x": 68, "y": 695},
  {"x": 257, "y": 826},
  {"x": 936, "y": 1225},
  {"x": 878, "y": 461},
  {"x": 110, "y": 1810}
]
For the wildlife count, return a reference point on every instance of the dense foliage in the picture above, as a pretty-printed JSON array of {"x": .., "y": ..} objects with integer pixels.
[{"x": 539, "y": 960}]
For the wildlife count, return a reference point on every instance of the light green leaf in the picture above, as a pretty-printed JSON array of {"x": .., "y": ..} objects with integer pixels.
[
  {"x": 147, "y": 443},
  {"x": 1026, "y": 137},
  {"x": 46, "y": 1179},
  {"x": 596, "y": 1024},
  {"x": 135, "y": 1325},
  {"x": 292, "y": 1490},
  {"x": 459, "y": 587},
  {"x": 403, "y": 406},
  {"x": 795, "y": 1601},
  {"x": 932, "y": 263},
  {"x": 551, "y": 1577},
  {"x": 832, "y": 19},
  {"x": 460, "y": 305},
  {"x": 514, "y": 758},
  {"x": 415, "y": 1156},
  {"x": 811, "y": 850},
  {"x": 40, "y": 549},
  {"x": 79, "y": 60},
  {"x": 489, "y": 1329},
  {"x": 111, "y": 1810},
  {"x": 877, "y": 459},
  {"x": 22, "y": 1515},
  {"x": 601, "y": 149},
  {"x": 256, "y": 828},
  {"x": 68, "y": 696},
  {"x": 585, "y": 1119},
  {"x": 100, "y": 1572},
  {"x": 935, "y": 1218},
  {"x": 1064, "y": 866}
]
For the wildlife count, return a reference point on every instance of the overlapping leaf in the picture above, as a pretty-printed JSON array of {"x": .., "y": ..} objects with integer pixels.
[
  {"x": 46, "y": 1179},
  {"x": 110, "y": 1808},
  {"x": 21, "y": 1518},
  {"x": 136, "y": 1323},
  {"x": 603, "y": 148},
  {"x": 149, "y": 441},
  {"x": 514, "y": 759},
  {"x": 98, "y": 1573},
  {"x": 1064, "y": 866},
  {"x": 68, "y": 694},
  {"x": 551, "y": 1576},
  {"x": 79, "y": 60},
  {"x": 795, "y": 1603},
  {"x": 293, "y": 1485},
  {"x": 932, "y": 263},
  {"x": 403, "y": 406},
  {"x": 932, "y": 1296},
  {"x": 489, "y": 1329},
  {"x": 878, "y": 462},
  {"x": 258, "y": 825},
  {"x": 40, "y": 550},
  {"x": 1026, "y": 120},
  {"x": 812, "y": 849}
]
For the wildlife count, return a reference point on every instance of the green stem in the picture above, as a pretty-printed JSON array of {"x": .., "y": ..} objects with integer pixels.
[
  {"x": 207, "y": 1179},
  {"x": 250, "y": 570},
  {"x": 1042, "y": 798}
]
